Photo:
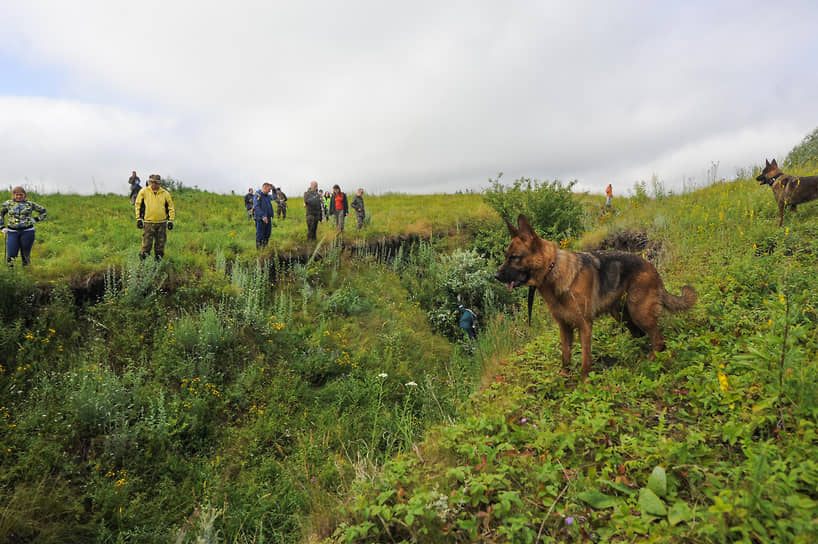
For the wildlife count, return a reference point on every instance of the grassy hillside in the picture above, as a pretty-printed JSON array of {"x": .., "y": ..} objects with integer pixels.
[
  {"x": 84, "y": 235},
  {"x": 714, "y": 441},
  {"x": 225, "y": 395}
]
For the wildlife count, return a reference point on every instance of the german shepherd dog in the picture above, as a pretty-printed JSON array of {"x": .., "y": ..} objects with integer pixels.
[
  {"x": 577, "y": 287},
  {"x": 789, "y": 191}
]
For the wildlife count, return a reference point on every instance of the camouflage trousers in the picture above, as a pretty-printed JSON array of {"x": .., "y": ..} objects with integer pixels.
[
  {"x": 154, "y": 235},
  {"x": 313, "y": 217}
]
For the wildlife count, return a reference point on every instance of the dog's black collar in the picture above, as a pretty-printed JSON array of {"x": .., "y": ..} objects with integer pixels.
[{"x": 778, "y": 175}]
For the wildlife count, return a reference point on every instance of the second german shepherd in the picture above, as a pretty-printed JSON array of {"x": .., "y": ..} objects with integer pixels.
[
  {"x": 789, "y": 191},
  {"x": 577, "y": 287}
]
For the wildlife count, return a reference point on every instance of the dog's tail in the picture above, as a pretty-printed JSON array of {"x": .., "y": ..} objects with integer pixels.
[{"x": 673, "y": 303}]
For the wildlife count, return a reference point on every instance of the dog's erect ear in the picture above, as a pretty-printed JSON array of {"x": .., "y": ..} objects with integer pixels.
[
  {"x": 768, "y": 162},
  {"x": 524, "y": 227},
  {"x": 774, "y": 163},
  {"x": 511, "y": 230}
]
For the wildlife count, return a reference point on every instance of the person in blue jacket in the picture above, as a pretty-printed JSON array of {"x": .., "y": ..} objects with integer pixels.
[
  {"x": 468, "y": 320},
  {"x": 263, "y": 214}
]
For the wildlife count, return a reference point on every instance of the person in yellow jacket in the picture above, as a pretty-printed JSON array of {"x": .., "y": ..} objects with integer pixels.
[{"x": 154, "y": 215}]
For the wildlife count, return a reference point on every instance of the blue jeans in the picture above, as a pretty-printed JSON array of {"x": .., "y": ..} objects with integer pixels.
[
  {"x": 19, "y": 241},
  {"x": 263, "y": 231}
]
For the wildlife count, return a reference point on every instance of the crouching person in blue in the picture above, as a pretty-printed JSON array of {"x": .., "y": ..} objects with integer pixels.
[
  {"x": 263, "y": 214},
  {"x": 468, "y": 320},
  {"x": 17, "y": 221}
]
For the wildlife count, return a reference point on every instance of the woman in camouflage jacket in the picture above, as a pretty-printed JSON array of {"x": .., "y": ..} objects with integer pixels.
[{"x": 17, "y": 221}]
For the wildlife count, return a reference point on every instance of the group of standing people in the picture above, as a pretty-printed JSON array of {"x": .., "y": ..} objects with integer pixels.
[
  {"x": 266, "y": 204},
  {"x": 155, "y": 215},
  {"x": 318, "y": 206},
  {"x": 276, "y": 195}
]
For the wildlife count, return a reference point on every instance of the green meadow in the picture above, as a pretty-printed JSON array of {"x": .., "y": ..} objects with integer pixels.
[
  {"x": 323, "y": 392},
  {"x": 84, "y": 235}
]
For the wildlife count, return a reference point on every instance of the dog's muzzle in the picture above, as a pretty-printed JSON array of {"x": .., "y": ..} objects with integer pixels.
[{"x": 511, "y": 280}]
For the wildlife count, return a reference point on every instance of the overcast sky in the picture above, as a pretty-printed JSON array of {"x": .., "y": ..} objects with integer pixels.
[{"x": 416, "y": 97}]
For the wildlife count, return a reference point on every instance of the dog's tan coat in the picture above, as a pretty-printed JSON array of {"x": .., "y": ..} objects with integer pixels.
[{"x": 577, "y": 287}]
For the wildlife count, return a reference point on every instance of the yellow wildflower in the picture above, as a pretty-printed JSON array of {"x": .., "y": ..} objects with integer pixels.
[{"x": 723, "y": 382}]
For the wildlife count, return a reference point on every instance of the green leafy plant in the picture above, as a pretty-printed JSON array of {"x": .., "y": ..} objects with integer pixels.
[
  {"x": 805, "y": 153},
  {"x": 553, "y": 210}
]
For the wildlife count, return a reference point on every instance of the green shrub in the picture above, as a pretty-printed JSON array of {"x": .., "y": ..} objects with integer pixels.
[
  {"x": 346, "y": 301},
  {"x": 196, "y": 345},
  {"x": 138, "y": 282},
  {"x": 17, "y": 294},
  {"x": 436, "y": 280},
  {"x": 805, "y": 153},
  {"x": 253, "y": 283},
  {"x": 551, "y": 207}
]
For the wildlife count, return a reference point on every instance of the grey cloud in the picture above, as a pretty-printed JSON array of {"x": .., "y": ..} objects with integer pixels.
[{"x": 406, "y": 97}]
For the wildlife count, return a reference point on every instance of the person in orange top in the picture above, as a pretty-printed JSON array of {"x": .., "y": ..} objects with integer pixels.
[
  {"x": 339, "y": 207},
  {"x": 609, "y": 195}
]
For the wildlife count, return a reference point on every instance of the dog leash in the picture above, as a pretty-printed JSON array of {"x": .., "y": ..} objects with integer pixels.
[{"x": 531, "y": 291}]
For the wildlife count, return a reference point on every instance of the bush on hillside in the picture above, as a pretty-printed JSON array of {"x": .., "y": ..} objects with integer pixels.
[
  {"x": 550, "y": 207},
  {"x": 436, "y": 281},
  {"x": 17, "y": 295},
  {"x": 176, "y": 186},
  {"x": 804, "y": 153}
]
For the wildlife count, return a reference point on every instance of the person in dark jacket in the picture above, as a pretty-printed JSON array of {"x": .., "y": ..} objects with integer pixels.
[
  {"x": 281, "y": 212},
  {"x": 339, "y": 207},
  {"x": 468, "y": 320},
  {"x": 313, "y": 208},
  {"x": 263, "y": 214},
  {"x": 358, "y": 205},
  {"x": 133, "y": 181},
  {"x": 248, "y": 203}
]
